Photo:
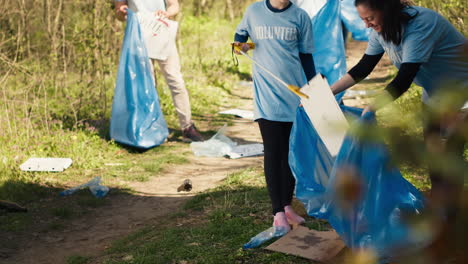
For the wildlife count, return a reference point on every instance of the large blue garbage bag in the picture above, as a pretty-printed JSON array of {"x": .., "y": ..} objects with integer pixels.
[
  {"x": 329, "y": 55},
  {"x": 136, "y": 118},
  {"x": 353, "y": 22},
  {"x": 375, "y": 220},
  {"x": 310, "y": 161}
]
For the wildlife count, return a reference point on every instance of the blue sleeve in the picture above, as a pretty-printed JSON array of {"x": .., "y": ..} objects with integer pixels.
[
  {"x": 306, "y": 36},
  {"x": 243, "y": 28},
  {"x": 308, "y": 65},
  {"x": 374, "y": 47}
]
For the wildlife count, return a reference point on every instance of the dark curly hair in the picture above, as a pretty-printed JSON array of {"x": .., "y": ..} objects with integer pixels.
[{"x": 393, "y": 17}]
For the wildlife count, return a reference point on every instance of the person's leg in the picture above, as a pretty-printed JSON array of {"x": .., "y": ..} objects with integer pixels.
[
  {"x": 287, "y": 179},
  {"x": 272, "y": 162},
  {"x": 270, "y": 131},
  {"x": 171, "y": 71}
]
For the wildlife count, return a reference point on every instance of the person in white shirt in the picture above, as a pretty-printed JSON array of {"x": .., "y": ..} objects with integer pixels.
[{"x": 169, "y": 67}]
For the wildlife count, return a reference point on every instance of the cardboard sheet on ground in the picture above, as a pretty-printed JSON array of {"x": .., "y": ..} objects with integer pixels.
[
  {"x": 248, "y": 150},
  {"x": 239, "y": 113},
  {"x": 324, "y": 113},
  {"x": 46, "y": 164},
  {"x": 319, "y": 246}
]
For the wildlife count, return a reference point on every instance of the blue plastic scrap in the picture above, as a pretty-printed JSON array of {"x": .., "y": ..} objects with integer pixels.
[
  {"x": 375, "y": 219},
  {"x": 94, "y": 186},
  {"x": 265, "y": 235},
  {"x": 137, "y": 119}
]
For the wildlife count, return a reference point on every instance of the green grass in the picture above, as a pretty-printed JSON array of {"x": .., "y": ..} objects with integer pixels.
[
  {"x": 39, "y": 118},
  {"x": 77, "y": 260},
  {"x": 211, "y": 228},
  {"x": 49, "y": 111}
]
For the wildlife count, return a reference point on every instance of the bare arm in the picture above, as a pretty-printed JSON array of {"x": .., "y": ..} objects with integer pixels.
[
  {"x": 342, "y": 84},
  {"x": 172, "y": 9}
]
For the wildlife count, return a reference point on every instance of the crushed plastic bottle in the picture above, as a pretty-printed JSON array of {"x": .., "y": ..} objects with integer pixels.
[
  {"x": 217, "y": 146},
  {"x": 94, "y": 186},
  {"x": 266, "y": 235}
]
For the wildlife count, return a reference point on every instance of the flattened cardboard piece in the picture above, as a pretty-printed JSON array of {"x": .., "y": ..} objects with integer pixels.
[
  {"x": 248, "y": 150},
  {"x": 239, "y": 113},
  {"x": 46, "y": 164},
  {"x": 324, "y": 113},
  {"x": 319, "y": 246}
]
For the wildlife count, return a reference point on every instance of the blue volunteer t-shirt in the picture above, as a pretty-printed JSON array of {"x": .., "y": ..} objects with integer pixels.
[
  {"x": 431, "y": 40},
  {"x": 279, "y": 38}
]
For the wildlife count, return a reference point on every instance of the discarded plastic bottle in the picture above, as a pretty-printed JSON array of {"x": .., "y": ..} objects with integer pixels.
[
  {"x": 186, "y": 186},
  {"x": 94, "y": 186},
  {"x": 99, "y": 190},
  {"x": 266, "y": 235}
]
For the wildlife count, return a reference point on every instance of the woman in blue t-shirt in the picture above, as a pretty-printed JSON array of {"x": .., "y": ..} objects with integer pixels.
[
  {"x": 427, "y": 50},
  {"x": 282, "y": 33}
]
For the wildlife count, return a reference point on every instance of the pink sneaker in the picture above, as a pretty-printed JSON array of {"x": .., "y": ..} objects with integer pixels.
[
  {"x": 292, "y": 217},
  {"x": 280, "y": 220}
]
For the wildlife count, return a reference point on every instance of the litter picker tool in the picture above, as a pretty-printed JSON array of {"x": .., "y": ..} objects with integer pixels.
[{"x": 296, "y": 90}]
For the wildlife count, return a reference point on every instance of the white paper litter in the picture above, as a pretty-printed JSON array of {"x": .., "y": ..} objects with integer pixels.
[
  {"x": 220, "y": 145},
  {"x": 248, "y": 150},
  {"x": 46, "y": 164},
  {"x": 239, "y": 113}
]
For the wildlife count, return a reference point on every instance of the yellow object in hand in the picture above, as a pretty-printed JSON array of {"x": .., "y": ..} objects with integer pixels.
[
  {"x": 238, "y": 46},
  {"x": 297, "y": 91}
]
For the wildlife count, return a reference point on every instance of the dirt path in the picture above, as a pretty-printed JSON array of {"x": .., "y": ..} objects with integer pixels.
[
  {"x": 127, "y": 213},
  {"x": 155, "y": 199}
]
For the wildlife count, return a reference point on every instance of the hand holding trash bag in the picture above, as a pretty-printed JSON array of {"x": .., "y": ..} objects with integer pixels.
[{"x": 121, "y": 10}]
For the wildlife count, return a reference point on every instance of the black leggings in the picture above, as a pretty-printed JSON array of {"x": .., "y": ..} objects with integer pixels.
[{"x": 279, "y": 179}]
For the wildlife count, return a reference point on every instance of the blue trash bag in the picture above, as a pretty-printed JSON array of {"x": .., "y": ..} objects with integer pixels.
[
  {"x": 310, "y": 161},
  {"x": 329, "y": 55},
  {"x": 136, "y": 118},
  {"x": 375, "y": 221},
  {"x": 353, "y": 22}
]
